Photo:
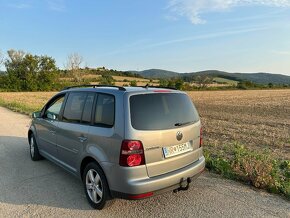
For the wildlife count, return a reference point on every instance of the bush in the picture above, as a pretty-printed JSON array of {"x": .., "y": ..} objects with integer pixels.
[
  {"x": 133, "y": 83},
  {"x": 258, "y": 168},
  {"x": 106, "y": 79}
]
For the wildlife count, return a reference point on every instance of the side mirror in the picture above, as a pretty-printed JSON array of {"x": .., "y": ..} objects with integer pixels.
[
  {"x": 36, "y": 114},
  {"x": 51, "y": 116}
]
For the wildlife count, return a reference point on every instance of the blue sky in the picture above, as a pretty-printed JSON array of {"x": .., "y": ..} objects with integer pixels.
[{"x": 178, "y": 35}]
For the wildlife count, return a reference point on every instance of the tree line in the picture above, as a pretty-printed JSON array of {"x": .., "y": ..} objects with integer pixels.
[{"x": 27, "y": 72}]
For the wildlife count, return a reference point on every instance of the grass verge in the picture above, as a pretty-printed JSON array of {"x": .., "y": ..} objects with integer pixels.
[
  {"x": 18, "y": 107},
  {"x": 257, "y": 168}
]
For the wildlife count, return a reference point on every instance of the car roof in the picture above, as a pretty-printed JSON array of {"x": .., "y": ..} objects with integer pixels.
[{"x": 118, "y": 89}]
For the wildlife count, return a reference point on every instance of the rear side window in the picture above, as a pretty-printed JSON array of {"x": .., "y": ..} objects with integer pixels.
[
  {"x": 105, "y": 110},
  {"x": 87, "y": 112},
  {"x": 161, "y": 111},
  {"x": 74, "y": 107}
]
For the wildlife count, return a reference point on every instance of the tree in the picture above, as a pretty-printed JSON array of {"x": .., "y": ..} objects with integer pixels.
[
  {"x": 73, "y": 64},
  {"x": 179, "y": 84},
  {"x": 203, "y": 81},
  {"x": 27, "y": 72},
  {"x": 1, "y": 59},
  {"x": 163, "y": 83},
  {"x": 270, "y": 85}
]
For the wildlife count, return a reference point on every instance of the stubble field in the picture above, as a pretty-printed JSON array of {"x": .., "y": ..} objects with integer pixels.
[{"x": 255, "y": 118}]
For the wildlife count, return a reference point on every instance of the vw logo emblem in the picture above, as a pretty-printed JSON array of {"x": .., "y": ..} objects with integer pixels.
[{"x": 179, "y": 135}]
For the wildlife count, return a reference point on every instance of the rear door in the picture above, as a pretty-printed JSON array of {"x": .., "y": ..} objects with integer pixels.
[
  {"x": 72, "y": 134},
  {"x": 168, "y": 126}
]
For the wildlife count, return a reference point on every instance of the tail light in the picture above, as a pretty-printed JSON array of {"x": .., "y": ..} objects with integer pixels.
[
  {"x": 132, "y": 153},
  {"x": 200, "y": 137}
]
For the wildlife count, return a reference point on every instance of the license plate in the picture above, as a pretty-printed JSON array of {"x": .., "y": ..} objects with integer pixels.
[{"x": 176, "y": 149}]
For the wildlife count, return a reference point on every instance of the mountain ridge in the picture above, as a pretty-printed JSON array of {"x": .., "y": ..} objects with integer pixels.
[{"x": 259, "y": 77}]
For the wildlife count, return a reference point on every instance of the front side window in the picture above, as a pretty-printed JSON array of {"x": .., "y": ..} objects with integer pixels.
[
  {"x": 74, "y": 107},
  {"x": 105, "y": 110},
  {"x": 53, "y": 109}
]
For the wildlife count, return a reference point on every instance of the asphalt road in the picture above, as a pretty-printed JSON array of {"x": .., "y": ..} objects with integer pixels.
[{"x": 33, "y": 189}]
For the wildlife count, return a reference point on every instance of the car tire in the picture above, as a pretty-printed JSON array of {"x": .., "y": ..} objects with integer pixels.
[
  {"x": 96, "y": 186},
  {"x": 33, "y": 149}
]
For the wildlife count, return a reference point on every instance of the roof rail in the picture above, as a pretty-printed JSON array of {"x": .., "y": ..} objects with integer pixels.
[{"x": 94, "y": 86}]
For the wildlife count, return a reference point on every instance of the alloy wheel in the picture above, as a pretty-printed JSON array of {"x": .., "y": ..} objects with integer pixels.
[{"x": 94, "y": 186}]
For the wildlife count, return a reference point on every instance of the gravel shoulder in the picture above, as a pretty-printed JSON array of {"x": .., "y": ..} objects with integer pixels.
[{"x": 43, "y": 189}]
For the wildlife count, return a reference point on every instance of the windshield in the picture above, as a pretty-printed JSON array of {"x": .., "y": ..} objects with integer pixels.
[{"x": 161, "y": 111}]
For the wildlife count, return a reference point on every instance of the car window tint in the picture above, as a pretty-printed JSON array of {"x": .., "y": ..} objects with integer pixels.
[
  {"x": 54, "y": 108},
  {"x": 105, "y": 110},
  {"x": 87, "y": 113},
  {"x": 74, "y": 107},
  {"x": 161, "y": 111}
]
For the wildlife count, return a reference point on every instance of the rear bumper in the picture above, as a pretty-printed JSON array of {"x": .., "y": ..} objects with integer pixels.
[{"x": 127, "y": 185}]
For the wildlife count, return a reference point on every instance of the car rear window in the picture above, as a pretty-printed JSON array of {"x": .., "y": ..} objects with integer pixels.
[{"x": 161, "y": 111}]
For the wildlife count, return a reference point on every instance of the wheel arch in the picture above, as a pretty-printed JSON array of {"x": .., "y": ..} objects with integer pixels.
[{"x": 85, "y": 161}]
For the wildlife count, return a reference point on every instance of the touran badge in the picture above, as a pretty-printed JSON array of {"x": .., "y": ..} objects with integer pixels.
[{"x": 179, "y": 135}]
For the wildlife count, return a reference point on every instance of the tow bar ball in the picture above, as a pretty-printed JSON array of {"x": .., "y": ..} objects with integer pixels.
[{"x": 183, "y": 185}]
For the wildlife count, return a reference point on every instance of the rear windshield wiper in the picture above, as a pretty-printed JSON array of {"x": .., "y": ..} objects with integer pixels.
[{"x": 182, "y": 124}]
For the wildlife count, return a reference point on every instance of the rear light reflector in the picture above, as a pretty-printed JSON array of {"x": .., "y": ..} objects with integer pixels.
[
  {"x": 145, "y": 195},
  {"x": 132, "y": 153},
  {"x": 200, "y": 137}
]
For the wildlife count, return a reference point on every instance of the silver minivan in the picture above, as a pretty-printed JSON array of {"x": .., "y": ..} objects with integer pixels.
[{"x": 123, "y": 142}]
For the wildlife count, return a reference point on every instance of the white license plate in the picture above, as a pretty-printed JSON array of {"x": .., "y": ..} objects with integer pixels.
[{"x": 177, "y": 149}]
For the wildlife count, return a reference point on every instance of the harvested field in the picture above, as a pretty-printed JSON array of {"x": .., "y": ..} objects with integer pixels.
[{"x": 255, "y": 118}]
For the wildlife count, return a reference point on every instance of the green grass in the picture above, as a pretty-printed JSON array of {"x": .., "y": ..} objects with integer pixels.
[
  {"x": 257, "y": 168},
  {"x": 223, "y": 80},
  {"x": 17, "y": 107}
]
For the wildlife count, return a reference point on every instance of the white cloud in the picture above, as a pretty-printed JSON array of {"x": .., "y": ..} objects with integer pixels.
[
  {"x": 56, "y": 5},
  {"x": 20, "y": 5},
  {"x": 143, "y": 44},
  {"x": 193, "y": 9}
]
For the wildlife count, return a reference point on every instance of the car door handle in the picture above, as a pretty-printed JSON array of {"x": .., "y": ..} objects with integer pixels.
[
  {"x": 82, "y": 139},
  {"x": 52, "y": 132}
]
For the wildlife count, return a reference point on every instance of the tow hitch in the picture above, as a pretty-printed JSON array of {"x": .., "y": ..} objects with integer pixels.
[{"x": 184, "y": 185}]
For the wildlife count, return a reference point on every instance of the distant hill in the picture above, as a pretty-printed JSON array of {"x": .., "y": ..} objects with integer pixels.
[
  {"x": 260, "y": 78},
  {"x": 158, "y": 73}
]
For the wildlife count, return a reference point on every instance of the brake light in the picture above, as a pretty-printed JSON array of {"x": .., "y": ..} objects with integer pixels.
[
  {"x": 200, "y": 137},
  {"x": 132, "y": 153}
]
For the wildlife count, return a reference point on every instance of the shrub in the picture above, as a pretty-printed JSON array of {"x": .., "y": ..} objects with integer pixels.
[{"x": 255, "y": 167}]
